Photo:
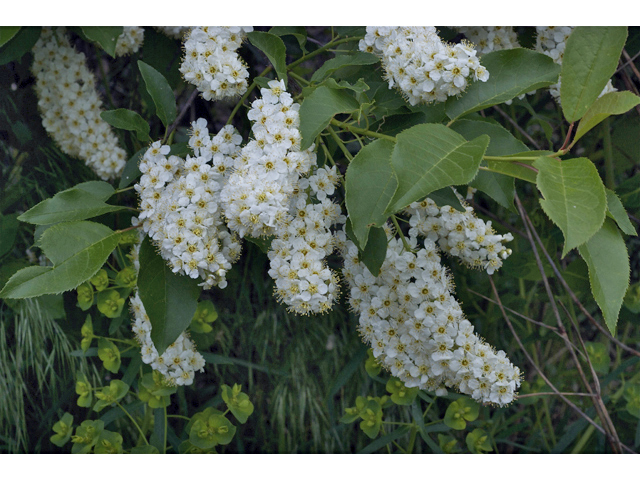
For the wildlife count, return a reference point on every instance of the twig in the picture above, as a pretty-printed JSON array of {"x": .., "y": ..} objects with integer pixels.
[
  {"x": 611, "y": 433},
  {"x": 518, "y": 127},
  {"x": 539, "y": 394},
  {"x": 540, "y": 324},
  {"x": 185, "y": 107}
]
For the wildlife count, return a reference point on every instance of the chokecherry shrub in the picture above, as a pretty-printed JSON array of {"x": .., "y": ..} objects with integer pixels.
[{"x": 378, "y": 170}]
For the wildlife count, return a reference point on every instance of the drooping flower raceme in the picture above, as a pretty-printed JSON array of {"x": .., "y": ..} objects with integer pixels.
[
  {"x": 129, "y": 41},
  {"x": 70, "y": 105},
  {"x": 212, "y": 64},
  {"x": 178, "y": 363},
  {"x": 260, "y": 191},
  {"x": 460, "y": 234},
  {"x": 304, "y": 281},
  {"x": 423, "y": 67},
  {"x": 490, "y": 39},
  {"x": 552, "y": 41},
  {"x": 180, "y": 199},
  {"x": 417, "y": 329}
]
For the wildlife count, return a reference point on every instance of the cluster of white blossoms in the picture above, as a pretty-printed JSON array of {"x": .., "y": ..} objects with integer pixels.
[
  {"x": 180, "y": 200},
  {"x": 460, "y": 234},
  {"x": 129, "y": 41},
  {"x": 490, "y": 39},
  {"x": 304, "y": 282},
  {"x": 212, "y": 64},
  {"x": 260, "y": 191},
  {"x": 416, "y": 328},
  {"x": 70, "y": 105},
  {"x": 176, "y": 33},
  {"x": 423, "y": 67},
  {"x": 552, "y": 41},
  {"x": 179, "y": 361}
]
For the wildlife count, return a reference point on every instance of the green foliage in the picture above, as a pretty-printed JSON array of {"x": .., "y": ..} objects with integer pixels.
[
  {"x": 400, "y": 394},
  {"x": 574, "y": 197},
  {"x": 512, "y": 73},
  {"x": 128, "y": 120},
  {"x": 478, "y": 441},
  {"x": 77, "y": 250},
  {"x": 170, "y": 300},
  {"x": 616, "y": 210},
  {"x": 86, "y": 436},
  {"x": 608, "y": 261},
  {"x": 7, "y": 33},
  {"x": 237, "y": 402},
  {"x": 590, "y": 58},
  {"x": 78, "y": 203},
  {"x": 160, "y": 92},
  {"x": 110, "y": 303},
  {"x": 370, "y": 183},
  {"x": 319, "y": 108},
  {"x": 429, "y": 157},
  {"x": 334, "y": 64},
  {"x": 109, "y": 354},
  {"x": 63, "y": 429},
  {"x": 106, "y": 37},
  {"x": 273, "y": 47},
  {"x": 612, "y": 103},
  {"x": 460, "y": 412},
  {"x": 21, "y": 43},
  {"x": 205, "y": 315}
]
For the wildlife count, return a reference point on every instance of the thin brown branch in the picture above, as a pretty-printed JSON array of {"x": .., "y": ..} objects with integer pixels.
[
  {"x": 513, "y": 312},
  {"x": 631, "y": 64},
  {"x": 518, "y": 127},
  {"x": 185, "y": 107},
  {"x": 539, "y": 394},
  {"x": 611, "y": 432}
]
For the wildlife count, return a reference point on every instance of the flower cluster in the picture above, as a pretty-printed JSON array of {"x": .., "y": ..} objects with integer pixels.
[
  {"x": 304, "y": 282},
  {"x": 417, "y": 329},
  {"x": 552, "y": 41},
  {"x": 180, "y": 360},
  {"x": 176, "y": 33},
  {"x": 212, "y": 64},
  {"x": 70, "y": 106},
  {"x": 260, "y": 191},
  {"x": 179, "y": 200},
  {"x": 129, "y": 41},
  {"x": 490, "y": 39},
  {"x": 460, "y": 234},
  {"x": 423, "y": 67}
]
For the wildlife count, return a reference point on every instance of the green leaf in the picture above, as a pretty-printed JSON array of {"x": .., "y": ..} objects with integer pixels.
[
  {"x": 318, "y": 109},
  {"x": 336, "y": 63},
  {"x": 590, "y": 59},
  {"x": 21, "y": 43},
  {"x": 100, "y": 190},
  {"x": 370, "y": 183},
  {"x": 612, "y": 103},
  {"x": 77, "y": 249},
  {"x": 273, "y": 47},
  {"x": 131, "y": 171},
  {"x": 511, "y": 73},
  {"x": 618, "y": 213},
  {"x": 608, "y": 261},
  {"x": 446, "y": 196},
  {"x": 520, "y": 167},
  {"x": 128, "y": 120},
  {"x": 502, "y": 141},
  {"x": 375, "y": 252},
  {"x": 7, "y": 33},
  {"x": 386, "y": 439},
  {"x": 429, "y": 157},
  {"x": 478, "y": 441},
  {"x": 109, "y": 354},
  {"x": 69, "y": 205},
  {"x": 160, "y": 92},
  {"x": 499, "y": 187},
  {"x": 63, "y": 430},
  {"x": 574, "y": 197},
  {"x": 106, "y": 37},
  {"x": 170, "y": 300},
  {"x": 8, "y": 230},
  {"x": 400, "y": 394},
  {"x": 300, "y": 34}
]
